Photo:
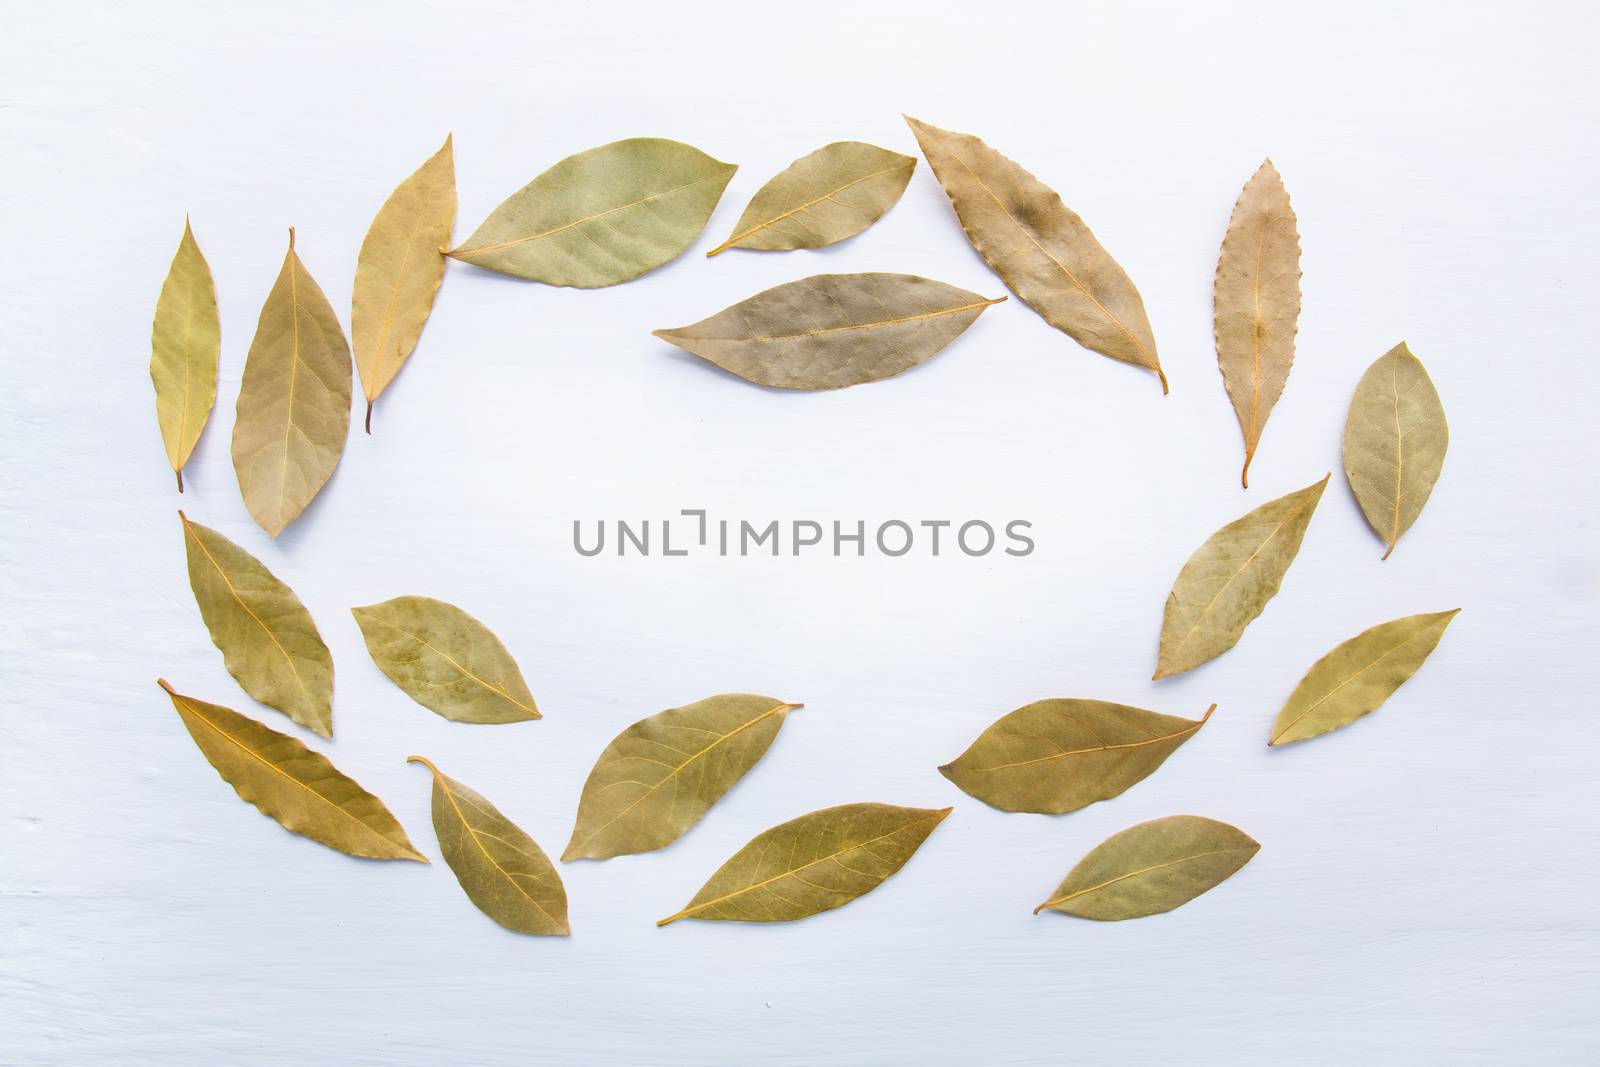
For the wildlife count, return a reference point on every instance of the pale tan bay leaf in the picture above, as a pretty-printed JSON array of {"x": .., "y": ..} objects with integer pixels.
[
  {"x": 815, "y": 863},
  {"x": 294, "y": 785},
  {"x": 1040, "y": 248},
  {"x": 1395, "y": 439},
  {"x": 185, "y": 343},
  {"x": 1230, "y": 578}
]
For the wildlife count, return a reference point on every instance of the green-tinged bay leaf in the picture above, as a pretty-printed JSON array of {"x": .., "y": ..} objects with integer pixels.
[
  {"x": 835, "y": 192},
  {"x": 661, "y": 775},
  {"x": 501, "y": 869},
  {"x": 815, "y": 863},
  {"x": 1256, "y": 303},
  {"x": 445, "y": 660},
  {"x": 1041, "y": 248},
  {"x": 1394, "y": 442},
  {"x": 1358, "y": 676},
  {"x": 296, "y": 786},
  {"x": 399, "y": 271},
  {"x": 1230, "y": 578},
  {"x": 185, "y": 341},
  {"x": 832, "y": 330},
  {"x": 268, "y": 641},
  {"x": 1151, "y": 868},
  {"x": 602, "y": 216},
  {"x": 1056, "y": 756},
  {"x": 294, "y": 402}
]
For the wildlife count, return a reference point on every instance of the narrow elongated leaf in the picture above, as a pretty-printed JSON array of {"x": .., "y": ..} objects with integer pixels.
[
  {"x": 835, "y": 192},
  {"x": 1394, "y": 442},
  {"x": 661, "y": 775},
  {"x": 296, "y": 786},
  {"x": 602, "y": 216},
  {"x": 1151, "y": 868},
  {"x": 832, "y": 330},
  {"x": 399, "y": 271},
  {"x": 1041, "y": 248},
  {"x": 185, "y": 341},
  {"x": 501, "y": 869},
  {"x": 268, "y": 641},
  {"x": 1230, "y": 578},
  {"x": 1256, "y": 300},
  {"x": 815, "y": 863},
  {"x": 294, "y": 401},
  {"x": 1056, "y": 756},
  {"x": 445, "y": 660},
  {"x": 1358, "y": 676}
]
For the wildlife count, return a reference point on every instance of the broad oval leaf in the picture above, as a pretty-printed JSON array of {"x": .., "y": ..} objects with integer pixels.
[
  {"x": 1358, "y": 676},
  {"x": 1056, "y": 756},
  {"x": 603, "y": 216},
  {"x": 399, "y": 270},
  {"x": 445, "y": 660},
  {"x": 294, "y": 785},
  {"x": 294, "y": 402},
  {"x": 661, "y": 775},
  {"x": 185, "y": 341},
  {"x": 1040, "y": 248},
  {"x": 501, "y": 869},
  {"x": 1151, "y": 868},
  {"x": 269, "y": 643},
  {"x": 1256, "y": 303},
  {"x": 832, "y": 330},
  {"x": 1394, "y": 442},
  {"x": 815, "y": 863},
  {"x": 833, "y": 193},
  {"x": 1230, "y": 578}
]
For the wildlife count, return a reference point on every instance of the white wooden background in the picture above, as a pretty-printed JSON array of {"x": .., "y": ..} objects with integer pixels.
[{"x": 1426, "y": 885}]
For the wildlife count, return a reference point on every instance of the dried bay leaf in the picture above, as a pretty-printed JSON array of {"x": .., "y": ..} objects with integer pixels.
[
  {"x": 399, "y": 270},
  {"x": 832, "y": 330},
  {"x": 185, "y": 342},
  {"x": 1230, "y": 578},
  {"x": 445, "y": 660},
  {"x": 1394, "y": 442},
  {"x": 661, "y": 775},
  {"x": 1056, "y": 756},
  {"x": 268, "y": 640},
  {"x": 820, "y": 199},
  {"x": 294, "y": 785},
  {"x": 812, "y": 864},
  {"x": 1358, "y": 676},
  {"x": 1153, "y": 867},
  {"x": 501, "y": 869},
  {"x": 603, "y": 216},
  {"x": 294, "y": 402},
  {"x": 1256, "y": 303},
  {"x": 1040, "y": 248}
]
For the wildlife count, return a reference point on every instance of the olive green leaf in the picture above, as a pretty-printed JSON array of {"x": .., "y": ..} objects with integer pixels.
[
  {"x": 602, "y": 216},
  {"x": 399, "y": 271},
  {"x": 1056, "y": 756},
  {"x": 1358, "y": 676},
  {"x": 1151, "y": 868},
  {"x": 268, "y": 641},
  {"x": 832, "y": 330},
  {"x": 661, "y": 775},
  {"x": 294, "y": 785},
  {"x": 1230, "y": 578},
  {"x": 835, "y": 192},
  {"x": 501, "y": 869},
  {"x": 185, "y": 341},
  {"x": 815, "y": 863},
  {"x": 445, "y": 660},
  {"x": 294, "y": 402},
  {"x": 1041, "y": 248},
  {"x": 1256, "y": 301},
  {"x": 1394, "y": 442}
]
